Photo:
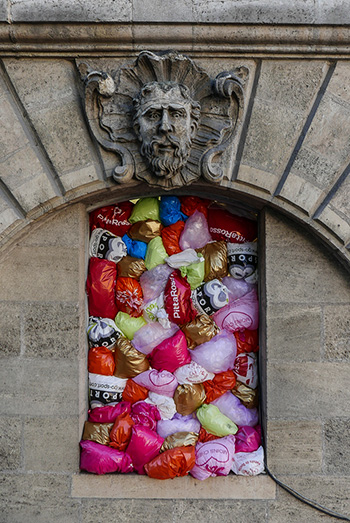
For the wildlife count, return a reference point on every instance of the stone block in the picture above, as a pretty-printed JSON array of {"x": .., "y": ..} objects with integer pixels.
[
  {"x": 337, "y": 446},
  {"x": 123, "y": 511},
  {"x": 341, "y": 200},
  {"x": 337, "y": 332},
  {"x": 39, "y": 498},
  {"x": 308, "y": 390},
  {"x": 301, "y": 193},
  {"x": 294, "y": 447},
  {"x": 41, "y": 274},
  {"x": 293, "y": 332},
  {"x": 7, "y": 217},
  {"x": 333, "y": 12},
  {"x": 216, "y": 511},
  {"x": 162, "y": 11},
  {"x": 66, "y": 11},
  {"x": 10, "y": 443},
  {"x": 257, "y": 178},
  {"x": 51, "y": 445},
  {"x": 299, "y": 269},
  {"x": 331, "y": 492},
  {"x": 335, "y": 222},
  {"x": 10, "y": 328},
  {"x": 241, "y": 11},
  {"x": 3, "y": 11},
  {"x": 51, "y": 331},
  {"x": 36, "y": 387}
]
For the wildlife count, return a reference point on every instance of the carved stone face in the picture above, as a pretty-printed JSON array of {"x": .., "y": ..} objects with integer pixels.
[{"x": 165, "y": 126}]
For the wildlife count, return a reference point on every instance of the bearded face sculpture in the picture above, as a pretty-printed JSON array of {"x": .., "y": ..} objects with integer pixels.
[{"x": 165, "y": 122}]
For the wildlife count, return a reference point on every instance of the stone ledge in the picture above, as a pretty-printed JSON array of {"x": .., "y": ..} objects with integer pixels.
[{"x": 141, "y": 487}]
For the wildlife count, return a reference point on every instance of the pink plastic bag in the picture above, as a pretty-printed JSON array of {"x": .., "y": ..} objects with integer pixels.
[
  {"x": 144, "y": 445},
  {"x": 151, "y": 335},
  {"x": 240, "y": 314},
  {"x": 144, "y": 414},
  {"x": 214, "y": 458},
  {"x": 161, "y": 382},
  {"x": 192, "y": 373},
  {"x": 110, "y": 413},
  {"x": 238, "y": 288},
  {"x": 246, "y": 369},
  {"x": 218, "y": 354},
  {"x": 231, "y": 407},
  {"x": 171, "y": 354},
  {"x": 178, "y": 424},
  {"x": 248, "y": 439},
  {"x": 153, "y": 282},
  {"x": 196, "y": 233},
  {"x": 249, "y": 463},
  {"x": 100, "y": 459}
]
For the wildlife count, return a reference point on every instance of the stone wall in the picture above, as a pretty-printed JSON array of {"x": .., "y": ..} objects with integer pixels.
[{"x": 43, "y": 362}]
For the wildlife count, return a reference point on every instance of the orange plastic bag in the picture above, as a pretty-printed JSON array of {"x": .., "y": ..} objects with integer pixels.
[
  {"x": 172, "y": 463},
  {"x": 128, "y": 296},
  {"x": 190, "y": 204},
  {"x": 101, "y": 361},
  {"x": 206, "y": 436},
  {"x": 220, "y": 384},
  {"x": 247, "y": 341},
  {"x": 121, "y": 432},
  {"x": 171, "y": 236},
  {"x": 134, "y": 392}
]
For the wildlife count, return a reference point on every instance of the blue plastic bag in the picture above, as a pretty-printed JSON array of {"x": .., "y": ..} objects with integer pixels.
[
  {"x": 135, "y": 248},
  {"x": 169, "y": 210}
]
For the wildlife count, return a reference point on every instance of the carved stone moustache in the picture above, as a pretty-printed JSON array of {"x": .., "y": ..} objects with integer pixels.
[{"x": 165, "y": 119}]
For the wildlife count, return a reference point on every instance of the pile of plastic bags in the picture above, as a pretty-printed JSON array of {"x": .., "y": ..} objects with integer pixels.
[{"x": 173, "y": 340}]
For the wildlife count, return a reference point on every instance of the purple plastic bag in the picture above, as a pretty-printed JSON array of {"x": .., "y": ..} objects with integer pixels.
[
  {"x": 100, "y": 459},
  {"x": 178, "y": 424},
  {"x": 161, "y": 382},
  {"x": 218, "y": 354},
  {"x": 248, "y": 439},
  {"x": 196, "y": 233},
  {"x": 151, "y": 335},
  {"x": 238, "y": 288},
  {"x": 153, "y": 282},
  {"x": 232, "y": 407},
  {"x": 214, "y": 458},
  {"x": 240, "y": 314}
]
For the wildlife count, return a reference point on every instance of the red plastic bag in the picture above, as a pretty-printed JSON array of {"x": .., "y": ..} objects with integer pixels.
[
  {"x": 171, "y": 354},
  {"x": 128, "y": 296},
  {"x": 172, "y": 463},
  {"x": 110, "y": 413},
  {"x": 121, "y": 432},
  {"x": 247, "y": 341},
  {"x": 216, "y": 387},
  {"x": 114, "y": 218},
  {"x": 177, "y": 299},
  {"x": 134, "y": 392},
  {"x": 144, "y": 445},
  {"x": 171, "y": 236},
  {"x": 190, "y": 204},
  {"x": 100, "y": 288},
  {"x": 226, "y": 226},
  {"x": 101, "y": 361},
  {"x": 206, "y": 436},
  {"x": 100, "y": 459}
]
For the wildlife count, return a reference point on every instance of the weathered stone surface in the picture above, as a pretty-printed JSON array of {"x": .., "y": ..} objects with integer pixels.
[
  {"x": 335, "y": 222},
  {"x": 10, "y": 443},
  {"x": 162, "y": 11},
  {"x": 308, "y": 390},
  {"x": 40, "y": 454},
  {"x": 41, "y": 274},
  {"x": 337, "y": 444},
  {"x": 36, "y": 387},
  {"x": 294, "y": 447},
  {"x": 332, "y": 12},
  {"x": 7, "y": 217},
  {"x": 10, "y": 328},
  {"x": 38, "y": 498},
  {"x": 283, "y": 99},
  {"x": 51, "y": 331},
  {"x": 337, "y": 332},
  {"x": 62, "y": 11},
  {"x": 122, "y": 511},
  {"x": 217, "y": 511},
  {"x": 341, "y": 200},
  {"x": 3, "y": 10},
  {"x": 299, "y": 269},
  {"x": 294, "y": 332},
  {"x": 56, "y": 115},
  {"x": 241, "y": 11},
  {"x": 302, "y": 193}
]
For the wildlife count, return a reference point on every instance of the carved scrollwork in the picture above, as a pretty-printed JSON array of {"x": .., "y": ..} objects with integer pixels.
[{"x": 164, "y": 117}]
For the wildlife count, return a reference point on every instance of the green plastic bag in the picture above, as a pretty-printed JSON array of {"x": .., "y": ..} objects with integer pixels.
[
  {"x": 155, "y": 254},
  {"x": 194, "y": 272},
  {"x": 215, "y": 422},
  {"x": 129, "y": 325},
  {"x": 145, "y": 209}
]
